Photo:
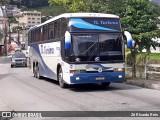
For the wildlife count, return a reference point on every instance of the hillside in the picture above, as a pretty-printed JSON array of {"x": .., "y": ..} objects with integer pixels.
[
  {"x": 29, "y": 3},
  {"x": 50, "y": 10}
]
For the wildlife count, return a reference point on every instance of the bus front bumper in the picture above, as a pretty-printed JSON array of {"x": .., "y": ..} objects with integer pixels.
[{"x": 82, "y": 78}]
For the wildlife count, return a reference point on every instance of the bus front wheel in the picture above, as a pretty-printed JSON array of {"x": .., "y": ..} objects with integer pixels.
[
  {"x": 60, "y": 79},
  {"x": 105, "y": 84}
]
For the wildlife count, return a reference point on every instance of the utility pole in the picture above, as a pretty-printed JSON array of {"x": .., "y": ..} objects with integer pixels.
[
  {"x": 18, "y": 35},
  {"x": 5, "y": 39},
  {"x": 9, "y": 32}
]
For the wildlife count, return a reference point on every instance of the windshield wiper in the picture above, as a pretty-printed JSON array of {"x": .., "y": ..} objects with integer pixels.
[
  {"x": 92, "y": 54},
  {"x": 88, "y": 48}
]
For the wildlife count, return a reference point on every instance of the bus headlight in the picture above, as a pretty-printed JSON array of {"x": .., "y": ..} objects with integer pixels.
[
  {"x": 119, "y": 69},
  {"x": 120, "y": 76},
  {"x": 77, "y": 71}
]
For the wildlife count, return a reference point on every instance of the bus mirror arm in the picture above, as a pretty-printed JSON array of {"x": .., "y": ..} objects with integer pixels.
[{"x": 130, "y": 42}]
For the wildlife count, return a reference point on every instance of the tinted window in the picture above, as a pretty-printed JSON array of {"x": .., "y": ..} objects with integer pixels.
[{"x": 19, "y": 55}]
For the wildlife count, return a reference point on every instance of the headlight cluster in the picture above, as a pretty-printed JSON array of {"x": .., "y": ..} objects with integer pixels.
[
  {"x": 119, "y": 69},
  {"x": 77, "y": 71}
]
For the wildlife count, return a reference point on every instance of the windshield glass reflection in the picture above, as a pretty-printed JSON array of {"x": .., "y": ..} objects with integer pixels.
[{"x": 92, "y": 47}]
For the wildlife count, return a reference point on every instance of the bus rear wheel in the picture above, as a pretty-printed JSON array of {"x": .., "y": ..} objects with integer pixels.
[
  {"x": 60, "y": 79},
  {"x": 36, "y": 72}
]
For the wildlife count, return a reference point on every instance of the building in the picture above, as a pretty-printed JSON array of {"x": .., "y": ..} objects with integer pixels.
[
  {"x": 3, "y": 26},
  {"x": 12, "y": 9},
  {"x": 25, "y": 20},
  {"x": 28, "y": 18}
]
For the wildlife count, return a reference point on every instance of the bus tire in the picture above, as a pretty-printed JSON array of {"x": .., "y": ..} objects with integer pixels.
[
  {"x": 62, "y": 84},
  {"x": 36, "y": 72},
  {"x": 11, "y": 66},
  {"x": 105, "y": 84}
]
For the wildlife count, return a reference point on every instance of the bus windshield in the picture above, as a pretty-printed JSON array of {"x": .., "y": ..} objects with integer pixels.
[{"x": 96, "y": 47}]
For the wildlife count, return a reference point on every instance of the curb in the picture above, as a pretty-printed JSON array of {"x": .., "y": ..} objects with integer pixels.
[
  {"x": 145, "y": 84},
  {"x": 4, "y": 59}
]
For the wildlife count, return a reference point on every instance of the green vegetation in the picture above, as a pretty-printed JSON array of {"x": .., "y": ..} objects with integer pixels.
[
  {"x": 50, "y": 10},
  {"x": 4, "y": 2},
  {"x": 155, "y": 56},
  {"x": 142, "y": 58},
  {"x": 28, "y": 3},
  {"x": 72, "y": 5}
]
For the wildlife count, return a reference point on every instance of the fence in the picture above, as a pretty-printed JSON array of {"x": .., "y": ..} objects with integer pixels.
[{"x": 152, "y": 71}]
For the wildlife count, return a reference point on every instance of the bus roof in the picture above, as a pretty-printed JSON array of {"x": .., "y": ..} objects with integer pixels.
[{"x": 71, "y": 15}]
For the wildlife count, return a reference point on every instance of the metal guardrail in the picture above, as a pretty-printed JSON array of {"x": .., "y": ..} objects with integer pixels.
[{"x": 147, "y": 66}]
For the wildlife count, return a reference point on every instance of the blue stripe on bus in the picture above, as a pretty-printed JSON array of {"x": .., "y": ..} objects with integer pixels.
[
  {"x": 91, "y": 77},
  {"x": 79, "y": 23},
  {"x": 44, "y": 69}
]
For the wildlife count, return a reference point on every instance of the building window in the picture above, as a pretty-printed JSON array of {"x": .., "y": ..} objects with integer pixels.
[
  {"x": 33, "y": 18},
  {"x": 33, "y": 22},
  {"x": 29, "y": 18}
]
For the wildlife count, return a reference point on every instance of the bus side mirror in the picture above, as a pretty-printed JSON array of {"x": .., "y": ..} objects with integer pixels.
[
  {"x": 67, "y": 40},
  {"x": 130, "y": 42}
]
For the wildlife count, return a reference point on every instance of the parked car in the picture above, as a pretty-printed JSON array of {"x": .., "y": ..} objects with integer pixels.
[
  {"x": 18, "y": 49},
  {"x": 18, "y": 59}
]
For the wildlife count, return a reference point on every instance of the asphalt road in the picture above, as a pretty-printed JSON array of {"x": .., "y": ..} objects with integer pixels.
[{"x": 20, "y": 91}]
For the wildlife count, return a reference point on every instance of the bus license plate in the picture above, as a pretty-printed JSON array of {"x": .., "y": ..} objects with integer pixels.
[{"x": 100, "y": 78}]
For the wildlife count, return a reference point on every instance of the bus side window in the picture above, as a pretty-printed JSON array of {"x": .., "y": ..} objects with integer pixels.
[
  {"x": 34, "y": 36},
  {"x": 41, "y": 34},
  {"x": 63, "y": 27},
  {"x": 57, "y": 29},
  {"x": 45, "y": 32},
  {"x": 51, "y": 30}
]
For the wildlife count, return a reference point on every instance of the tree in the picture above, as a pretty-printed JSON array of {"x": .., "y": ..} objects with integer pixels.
[
  {"x": 30, "y": 3},
  {"x": 108, "y": 6},
  {"x": 72, "y": 5},
  {"x": 11, "y": 20},
  {"x": 4, "y": 2},
  {"x": 140, "y": 18}
]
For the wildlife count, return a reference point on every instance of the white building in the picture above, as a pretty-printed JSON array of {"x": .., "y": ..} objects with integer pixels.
[
  {"x": 3, "y": 24},
  {"x": 28, "y": 18}
]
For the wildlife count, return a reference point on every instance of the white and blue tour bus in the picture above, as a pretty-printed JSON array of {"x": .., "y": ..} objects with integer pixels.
[{"x": 79, "y": 48}]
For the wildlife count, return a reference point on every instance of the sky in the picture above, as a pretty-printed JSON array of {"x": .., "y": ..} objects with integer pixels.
[{"x": 156, "y": 1}]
